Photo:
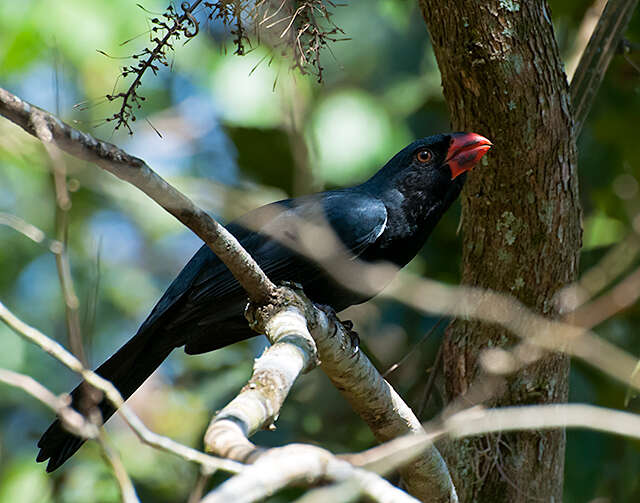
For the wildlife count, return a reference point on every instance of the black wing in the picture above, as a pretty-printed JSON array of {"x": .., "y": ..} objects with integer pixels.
[{"x": 203, "y": 308}]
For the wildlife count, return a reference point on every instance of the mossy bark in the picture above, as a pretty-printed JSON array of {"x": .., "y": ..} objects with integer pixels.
[{"x": 503, "y": 78}]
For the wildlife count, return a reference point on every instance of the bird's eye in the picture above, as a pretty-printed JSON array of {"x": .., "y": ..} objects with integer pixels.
[{"x": 424, "y": 156}]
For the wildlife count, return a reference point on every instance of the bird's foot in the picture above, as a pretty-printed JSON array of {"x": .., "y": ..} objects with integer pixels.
[
  {"x": 332, "y": 316},
  {"x": 347, "y": 326},
  {"x": 354, "y": 338}
]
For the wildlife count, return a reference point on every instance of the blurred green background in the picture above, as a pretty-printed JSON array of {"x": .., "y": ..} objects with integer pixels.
[{"x": 234, "y": 136}]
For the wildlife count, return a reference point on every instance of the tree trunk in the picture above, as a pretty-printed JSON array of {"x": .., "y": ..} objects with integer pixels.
[{"x": 503, "y": 78}]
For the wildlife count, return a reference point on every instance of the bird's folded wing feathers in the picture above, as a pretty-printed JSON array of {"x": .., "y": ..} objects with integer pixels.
[{"x": 277, "y": 236}]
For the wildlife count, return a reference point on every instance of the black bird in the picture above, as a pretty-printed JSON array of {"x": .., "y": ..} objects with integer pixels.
[{"x": 387, "y": 218}]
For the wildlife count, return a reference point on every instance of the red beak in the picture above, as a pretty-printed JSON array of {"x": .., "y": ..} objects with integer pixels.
[{"x": 465, "y": 150}]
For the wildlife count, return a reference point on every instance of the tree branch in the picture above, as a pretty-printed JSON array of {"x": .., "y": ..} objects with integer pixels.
[
  {"x": 258, "y": 404},
  {"x": 478, "y": 420},
  {"x": 595, "y": 60},
  {"x": 378, "y": 404},
  {"x": 535, "y": 330},
  {"x": 426, "y": 477},
  {"x": 50, "y": 129},
  {"x": 71, "y": 418},
  {"x": 293, "y": 351},
  {"x": 73, "y": 421},
  {"x": 113, "y": 395},
  {"x": 308, "y": 464}
]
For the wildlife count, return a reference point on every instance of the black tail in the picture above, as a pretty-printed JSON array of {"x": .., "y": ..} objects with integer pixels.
[{"x": 127, "y": 369}]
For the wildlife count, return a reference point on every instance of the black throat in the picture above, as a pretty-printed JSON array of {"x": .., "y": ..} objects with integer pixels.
[{"x": 412, "y": 214}]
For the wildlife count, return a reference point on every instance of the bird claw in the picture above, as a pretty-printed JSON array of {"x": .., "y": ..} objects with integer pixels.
[
  {"x": 332, "y": 316},
  {"x": 354, "y": 338},
  {"x": 347, "y": 326}
]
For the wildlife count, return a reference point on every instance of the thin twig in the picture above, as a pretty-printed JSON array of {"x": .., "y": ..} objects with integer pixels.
[
  {"x": 113, "y": 395},
  {"x": 127, "y": 491},
  {"x": 431, "y": 381},
  {"x": 71, "y": 418},
  {"x": 63, "y": 205},
  {"x": 479, "y": 421},
  {"x": 585, "y": 30},
  {"x": 75, "y": 422},
  {"x": 30, "y": 231},
  {"x": 137, "y": 172},
  {"x": 198, "y": 488},
  {"x": 413, "y": 348}
]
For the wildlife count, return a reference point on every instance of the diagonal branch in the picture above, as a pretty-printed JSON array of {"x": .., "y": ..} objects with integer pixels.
[
  {"x": 71, "y": 418},
  {"x": 595, "y": 60},
  {"x": 293, "y": 351},
  {"x": 50, "y": 129},
  {"x": 384, "y": 411}
]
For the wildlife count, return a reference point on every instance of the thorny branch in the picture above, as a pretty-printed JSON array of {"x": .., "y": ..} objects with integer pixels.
[
  {"x": 158, "y": 55},
  {"x": 308, "y": 30}
]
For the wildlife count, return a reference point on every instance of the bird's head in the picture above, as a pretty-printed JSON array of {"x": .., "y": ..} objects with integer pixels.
[{"x": 436, "y": 163}]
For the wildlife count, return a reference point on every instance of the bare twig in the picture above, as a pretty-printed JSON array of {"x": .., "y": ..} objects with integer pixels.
[
  {"x": 63, "y": 205},
  {"x": 395, "y": 366},
  {"x": 75, "y": 422},
  {"x": 543, "y": 417},
  {"x": 428, "y": 388},
  {"x": 310, "y": 29},
  {"x": 597, "y": 56},
  {"x": 585, "y": 30},
  {"x": 71, "y": 301},
  {"x": 478, "y": 421},
  {"x": 71, "y": 418},
  {"x": 30, "y": 231},
  {"x": 620, "y": 297},
  {"x": 198, "y": 489},
  {"x": 149, "y": 59},
  {"x": 135, "y": 171},
  {"x": 113, "y": 395},
  {"x": 535, "y": 330},
  {"x": 593, "y": 281},
  {"x": 127, "y": 491}
]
